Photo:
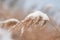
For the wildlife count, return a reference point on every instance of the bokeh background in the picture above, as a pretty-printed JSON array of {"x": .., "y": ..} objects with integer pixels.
[{"x": 20, "y": 8}]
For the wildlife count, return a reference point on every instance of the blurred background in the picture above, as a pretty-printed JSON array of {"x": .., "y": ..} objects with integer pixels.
[{"x": 20, "y": 8}]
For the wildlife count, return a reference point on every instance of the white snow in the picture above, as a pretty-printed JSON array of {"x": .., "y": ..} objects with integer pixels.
[
  {"x": 38, "y": 14},
  {"x": 5, "y": 35},
  {"x": 11, "y": 20}
]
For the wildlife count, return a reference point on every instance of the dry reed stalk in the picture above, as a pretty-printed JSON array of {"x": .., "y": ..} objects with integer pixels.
[
  {"x": 37, "y": 32},
  {"x": 35, "y": 18},
  {"x": 6, "y": 24}
]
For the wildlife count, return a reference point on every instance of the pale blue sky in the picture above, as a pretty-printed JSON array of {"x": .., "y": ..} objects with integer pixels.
[{"x": 40, "y": 3}]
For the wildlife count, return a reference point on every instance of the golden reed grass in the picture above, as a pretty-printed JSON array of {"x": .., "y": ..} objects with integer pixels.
[
  {"x": 32, "y": 29},
  {"x": 35, "y": 28}
]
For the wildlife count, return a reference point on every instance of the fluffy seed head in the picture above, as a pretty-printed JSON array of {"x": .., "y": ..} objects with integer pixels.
[
  {"x": 36, "y": 17},
  {"x": 38, "y": 14}
]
